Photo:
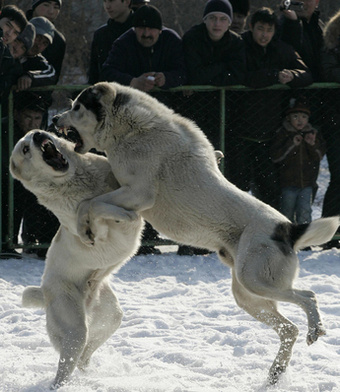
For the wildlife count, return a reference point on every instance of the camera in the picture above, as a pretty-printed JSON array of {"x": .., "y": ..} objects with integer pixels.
[{"x": 291, "y": 5}]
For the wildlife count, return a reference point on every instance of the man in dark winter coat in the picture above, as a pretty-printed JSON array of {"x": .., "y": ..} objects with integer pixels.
[
  {"x": 303, "y": 30},
  {"x": 214, "y": 55},
  {"x": 120, "y": 20},
  {"x": 55, "y": 52},
  {"x": 269, "y": 62},
  {"x": 147, "y": 56}
]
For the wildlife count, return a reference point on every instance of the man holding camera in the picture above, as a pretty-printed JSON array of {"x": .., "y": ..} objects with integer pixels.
[{"x": 302, "y": 28}]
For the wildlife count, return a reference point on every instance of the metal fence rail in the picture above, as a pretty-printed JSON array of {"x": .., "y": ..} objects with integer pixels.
[{"x": 236, "y": 119}]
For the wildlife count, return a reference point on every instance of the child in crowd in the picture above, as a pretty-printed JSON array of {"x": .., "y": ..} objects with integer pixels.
[{"x": 298, "y": 149}]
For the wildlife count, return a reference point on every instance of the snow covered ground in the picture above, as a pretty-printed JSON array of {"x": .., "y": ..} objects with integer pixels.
[{"x": 181, "y": 331}]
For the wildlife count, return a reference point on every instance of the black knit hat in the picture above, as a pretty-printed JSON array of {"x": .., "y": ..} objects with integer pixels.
[
  {"x": 135, "y": 2},
  {"x": 222, "y": 6},
  {"x": 35, "y": 3},
  {"x": 148, "y": 16},
  {"x": 240, "y": 6},
  {"x": 27, "y": 36}
]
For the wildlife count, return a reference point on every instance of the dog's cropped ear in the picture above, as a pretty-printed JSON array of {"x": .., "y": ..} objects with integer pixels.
[
  {"x": 121, "y": 99},
  {"x": 99, "y": 89}
]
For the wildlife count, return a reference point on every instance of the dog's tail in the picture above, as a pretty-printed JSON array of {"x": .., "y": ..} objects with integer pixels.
[
  {"x": 33, "y": 297},
  {"x": 315, "y": 233}
]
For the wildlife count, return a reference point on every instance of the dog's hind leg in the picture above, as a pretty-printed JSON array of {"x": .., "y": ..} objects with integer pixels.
[
  {"x": 278, "y": 288},
  {"x": 265, "y": 310},
  {"x": 268, "y": 269},
  {"x": 105, "y": 316},
  {"x": 66, "y": 326}
]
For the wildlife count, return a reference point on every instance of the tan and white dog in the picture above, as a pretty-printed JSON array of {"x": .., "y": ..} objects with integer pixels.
[
  {"x": 168, "y": 173},
  {"x": 82, "y": 311}
]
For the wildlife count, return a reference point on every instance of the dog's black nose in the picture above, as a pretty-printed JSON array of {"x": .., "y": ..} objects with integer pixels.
[
  {"x": 37, "y": 137},
  {"x": 55, "y": 118}
]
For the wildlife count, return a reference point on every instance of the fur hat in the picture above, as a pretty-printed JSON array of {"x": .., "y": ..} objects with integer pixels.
[
  {"x": 298, "y": 105},
  {"x": 148, "y": 16},
  {"x": 35, "y": 3},
  {"x": 240, "y": 6},
  {"x": 43, "y": 27},
  {"x": 27, "y": 36},
  {"x": 222, "y": 6}
]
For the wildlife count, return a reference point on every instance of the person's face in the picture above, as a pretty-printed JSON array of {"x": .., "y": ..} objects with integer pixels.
[
  {"x": 217, "y": 24},
  {"x": 298, "y": 120},
  {"x": 17, "y": 48},
  {"x": 309, "y": 6},
  {"x": 10, "y": 30},
  {"x": 116, "y": 9},
  {"x": 29, "y": 119},
  {"x": 262, "y": 33},
  {"x": 239, "y": 22},
  {"x": 147, "y": 36},
  {"x": 48, "y": 9},
  {"x": 40, "y": 44}
]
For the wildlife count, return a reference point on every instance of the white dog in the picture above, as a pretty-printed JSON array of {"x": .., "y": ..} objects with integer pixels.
[
  {"x": 168, "y": 174},
  {"x": 82, "y": 312}
]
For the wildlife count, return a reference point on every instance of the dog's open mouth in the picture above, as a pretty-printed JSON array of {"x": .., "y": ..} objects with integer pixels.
[
  {"x": 51, "y": 155},
  {"x": 73, "y": 136},
  {"x": 69, "y": 133}
]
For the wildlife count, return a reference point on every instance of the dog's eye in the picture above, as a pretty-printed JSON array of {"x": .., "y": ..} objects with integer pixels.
[
  {"x": 25, "y": 150},
  {"x": 77, "y": 107}
]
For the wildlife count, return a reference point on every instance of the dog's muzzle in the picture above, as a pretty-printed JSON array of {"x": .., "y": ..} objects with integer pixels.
[{"x": 51, "y": 155}]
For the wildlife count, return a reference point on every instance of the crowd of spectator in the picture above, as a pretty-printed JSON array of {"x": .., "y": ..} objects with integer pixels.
[{"x": 277, "y": 159}]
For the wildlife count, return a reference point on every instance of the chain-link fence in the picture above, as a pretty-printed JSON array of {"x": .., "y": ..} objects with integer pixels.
[{"x": 239, "y": 121}]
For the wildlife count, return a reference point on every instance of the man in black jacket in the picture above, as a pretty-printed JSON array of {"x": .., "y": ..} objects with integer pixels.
[
  {"x": 214, "y": 55},
  {"x": 120, "y": 20},
  {"x": 303, "y": 30}
]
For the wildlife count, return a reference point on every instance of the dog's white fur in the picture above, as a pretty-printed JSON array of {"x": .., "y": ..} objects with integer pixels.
[
  {"x": 82, "y": 311},
  {"x": 168, "y": 173}
]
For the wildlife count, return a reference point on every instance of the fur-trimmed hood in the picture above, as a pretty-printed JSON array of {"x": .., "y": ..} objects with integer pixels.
[{"x": 332, "y": 32}]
